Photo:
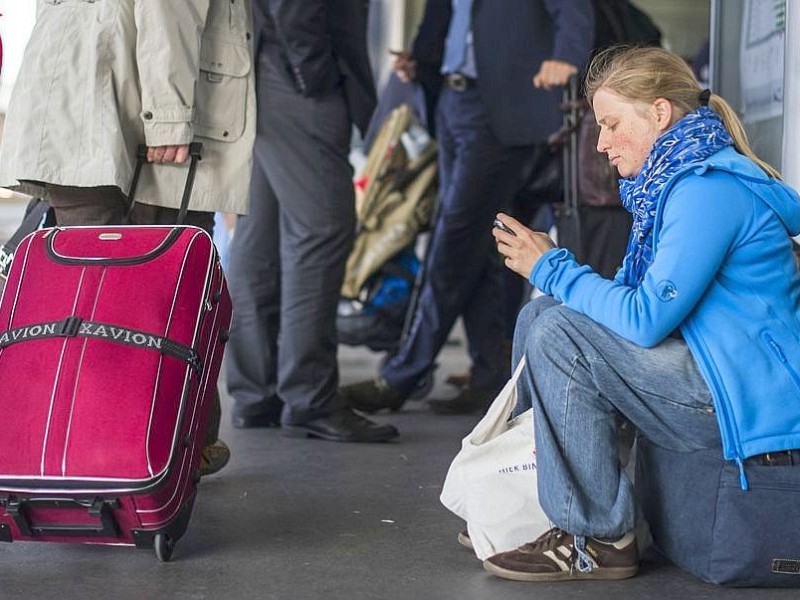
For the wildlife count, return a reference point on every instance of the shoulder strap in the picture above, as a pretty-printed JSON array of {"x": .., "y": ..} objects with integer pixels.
[{"x": 38, "y": 214}]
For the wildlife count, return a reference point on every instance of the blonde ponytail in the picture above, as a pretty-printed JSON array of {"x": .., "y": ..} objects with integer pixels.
[{"x": 734, "y": 126}]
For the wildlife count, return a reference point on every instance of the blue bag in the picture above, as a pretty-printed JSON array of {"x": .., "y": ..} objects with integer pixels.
[
  {"x": 377, "y": 317},
  {"x": 703, "y": 521}
]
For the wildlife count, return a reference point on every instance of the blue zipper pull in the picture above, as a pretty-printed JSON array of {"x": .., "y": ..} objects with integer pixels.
[
  {"x": 775, "y": 348},
  {"x": 742, "y": 476}
]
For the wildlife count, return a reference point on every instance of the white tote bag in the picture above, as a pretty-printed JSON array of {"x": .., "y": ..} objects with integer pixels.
[{"x": 491, "y": 483}]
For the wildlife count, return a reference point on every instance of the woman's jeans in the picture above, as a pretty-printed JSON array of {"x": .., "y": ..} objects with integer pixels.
[{"x": 581, "y": 378}]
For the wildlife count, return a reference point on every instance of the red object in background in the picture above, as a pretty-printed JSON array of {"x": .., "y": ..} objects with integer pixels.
[{"x": 361, "y": 183}]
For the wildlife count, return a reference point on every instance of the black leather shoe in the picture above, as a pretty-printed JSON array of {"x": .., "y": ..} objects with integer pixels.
[
  {"x": 372, "y": 396},
  {"x": 342, "y": 426},
  {"x": 256, "y": 421},
  {"x": 269, "y": 415},
  {"x": 467, "y": 402}
]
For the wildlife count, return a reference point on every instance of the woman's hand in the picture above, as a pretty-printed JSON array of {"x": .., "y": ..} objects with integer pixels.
[{"x": 523, "y": 248}]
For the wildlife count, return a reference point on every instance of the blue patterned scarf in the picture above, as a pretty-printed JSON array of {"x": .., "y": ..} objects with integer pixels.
[{"x": 693, "y": 139}]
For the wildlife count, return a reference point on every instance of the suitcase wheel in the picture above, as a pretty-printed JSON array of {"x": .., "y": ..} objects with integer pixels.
[{"x": 163, "y": 545}]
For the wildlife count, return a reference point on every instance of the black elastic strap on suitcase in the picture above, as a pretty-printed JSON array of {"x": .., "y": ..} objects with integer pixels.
[
  {"x": 77, "y": 327},
  {"x": 195, "y": 155}
]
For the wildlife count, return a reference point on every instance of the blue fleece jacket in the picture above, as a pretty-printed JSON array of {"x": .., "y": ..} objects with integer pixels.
[{"x": 724, "y": 273}]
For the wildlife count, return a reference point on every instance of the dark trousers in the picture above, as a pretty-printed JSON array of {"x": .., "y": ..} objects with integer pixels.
[
  {"x": 478, "y": 177},
  {"x": 531, "y": 205},
  {"x": 107, "y": 205},
  {"x": 287, "y": 256}
]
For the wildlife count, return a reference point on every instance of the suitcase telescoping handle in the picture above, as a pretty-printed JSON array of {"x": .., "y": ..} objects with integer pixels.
[
  {"x": 569, "y": 158},
  {"x": 195, "y": 156}
]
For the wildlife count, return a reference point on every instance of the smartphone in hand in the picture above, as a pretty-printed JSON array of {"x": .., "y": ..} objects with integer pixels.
[{"x": 503, "y": 227}]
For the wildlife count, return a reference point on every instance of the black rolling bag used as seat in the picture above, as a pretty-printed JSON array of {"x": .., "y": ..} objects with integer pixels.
[{"x": 704, "y": 522}]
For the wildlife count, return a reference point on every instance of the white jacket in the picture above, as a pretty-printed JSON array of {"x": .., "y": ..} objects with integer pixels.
[{"x": 100, "y": 77}]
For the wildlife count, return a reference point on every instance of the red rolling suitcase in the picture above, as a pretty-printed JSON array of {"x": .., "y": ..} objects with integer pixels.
[{"x": 111, "y": 340}]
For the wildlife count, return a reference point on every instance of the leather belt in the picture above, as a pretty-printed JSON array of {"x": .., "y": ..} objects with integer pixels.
[
  {"x": 459, "y": 82},
  {"x": 785, "y": 458}
]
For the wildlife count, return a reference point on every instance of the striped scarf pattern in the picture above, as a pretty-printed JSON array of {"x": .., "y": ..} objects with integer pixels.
[{"x": 693, "y": 139}]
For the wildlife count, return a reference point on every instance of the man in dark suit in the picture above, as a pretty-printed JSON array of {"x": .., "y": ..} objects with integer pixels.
[
  {"x": 503, "y": 64},
  {"x": 287, "y": 256}
]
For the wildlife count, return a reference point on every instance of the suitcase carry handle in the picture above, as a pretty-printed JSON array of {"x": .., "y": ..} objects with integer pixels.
[
  {"x": 98, "y": 509},
  {"x": 195, "y": 155}
]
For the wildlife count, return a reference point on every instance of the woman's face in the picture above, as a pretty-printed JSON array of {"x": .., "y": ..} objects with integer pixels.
[{"x": 628, "y": 129}]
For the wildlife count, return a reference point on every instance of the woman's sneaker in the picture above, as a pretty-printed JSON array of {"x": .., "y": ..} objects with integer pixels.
[
  {"x": 372, "y": 396},
  {"x": 553, "y": 557}
]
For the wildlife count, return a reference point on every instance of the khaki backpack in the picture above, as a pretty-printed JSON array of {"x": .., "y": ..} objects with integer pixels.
[{"x": 400, "y": 183}]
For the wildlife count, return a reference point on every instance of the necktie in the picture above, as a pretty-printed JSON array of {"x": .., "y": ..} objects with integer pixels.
[{"x": 456, "y": 43}]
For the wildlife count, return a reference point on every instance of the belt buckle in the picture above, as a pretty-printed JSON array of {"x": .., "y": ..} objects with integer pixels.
[
  {"x": 777, "y": 459},
  {"x": 457, "y": 82}
]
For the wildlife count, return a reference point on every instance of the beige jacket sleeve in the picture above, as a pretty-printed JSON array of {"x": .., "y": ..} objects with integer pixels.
[{"x": 168, "y": 58}]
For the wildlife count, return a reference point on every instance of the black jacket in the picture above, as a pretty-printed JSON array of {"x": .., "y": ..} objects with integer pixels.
[{"x": 320, "y": 45}]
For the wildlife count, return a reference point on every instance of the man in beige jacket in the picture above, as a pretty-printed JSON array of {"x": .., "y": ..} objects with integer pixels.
[{"x": 100, "y": 77}]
